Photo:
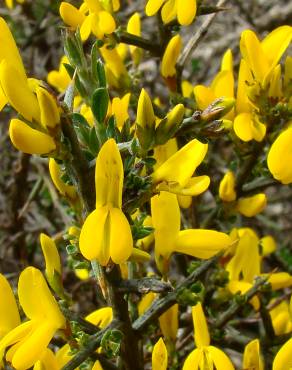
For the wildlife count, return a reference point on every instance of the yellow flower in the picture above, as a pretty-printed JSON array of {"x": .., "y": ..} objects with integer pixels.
[
  {"x": 168, "y": 322},
  {"x": 106, "y": 233},
  {"x": 246, "y": 260},
  {"x": 251, "y": 206},
  {"x": 9, "y": 315},
  {"x": 49, "y": 112},
  {"x": 170, "y": 57},
  {"x": 116, "y": 72},
  {"x": 119, "y": 109},
  {"x": 29, "y": 140},
  {"x": 281, "y": 148},
  {"x": 175, "y": 174},
  {"x": 101, "y": 317},
  {"x": 68, "y": 191},
  {"x": 184, "y": 10},
  {"x": 258, "y": 69},
  {"x": 252, "y": 357},
  {"x": 161, "y": 154},
  {"x": 283, "y": 359},
  {"x": 134, "y": 27},
  {"x": 248, "y": 206},
  {"x": 145, "y": 113},
  {"x": 91, "y": 17},
  {"x": 227, "y": 187},
  {"x": 169, "y": 239},
  {"x": 60, "y": 78},
  {"x": 28, "y": 98},
  {"x": 281, "y": 319},
  {"x": 53, "y": 264},
  {"x": 16, "y": 88},
  {"x": 262, "y": 57},
  {"x": 222, "y": 86},
  {"x": 10, "y": 52},
  {"x": 30, "y": 339},
  {"x": 48, "y": 361},
  {"x": 159, "y": 356},
  {"x": 204, "y": 356},
  {"x": 10, "y": 3}
]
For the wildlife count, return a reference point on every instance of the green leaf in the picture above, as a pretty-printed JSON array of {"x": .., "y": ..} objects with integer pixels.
[
  {"x": 100, "y": 100},
  {"x": 101, "y": 73}
]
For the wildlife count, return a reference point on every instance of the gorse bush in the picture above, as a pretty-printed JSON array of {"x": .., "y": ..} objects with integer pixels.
[{"x": 166, "y": 191}]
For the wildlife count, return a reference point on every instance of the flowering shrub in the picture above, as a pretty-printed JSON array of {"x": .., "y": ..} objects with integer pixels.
[{"x": 164, "y": 191}]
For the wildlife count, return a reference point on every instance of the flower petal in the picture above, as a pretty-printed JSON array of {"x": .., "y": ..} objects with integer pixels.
[
  {"x": 29, "y": 140},
  {"x": 92, "y": 242},
  {"x": 16, "y": 89},
  {"x": 121, "y": 241},
  {"x": 281, "y": 148},
  {"x": 201, "y": 336},
  {"x": 9, "y": 315},
  {"x": 159, "y": 356},
  {"x": 180, "y": 166},
  {"x": 253, "y": 205},
  {"x": 186, "y": 11},
  {"x": 109, "y": 175},
  {"x": 34, "y": 346},
  {"x": 220, "y": 359},
  {"x": 36, "y": 299},
  {"x": 283, "y": 359},
  {"x": 201, "y": 243}
]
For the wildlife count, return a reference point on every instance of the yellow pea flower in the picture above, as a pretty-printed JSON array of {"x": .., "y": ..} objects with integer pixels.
[
  {"x": 168, "y": 322},
  {"x": 205, "y": 356},
  {"x": 279, "y": 280},
  {"x": 170, "y": 57},
  {"x": 92, "y": 16},
  {"x": 60, "y": 78},
  {"x": 246, "y": 260},
  {"x": 161, "y": 154},
  {"x": 222, "y": 86},
  {"x": 268, "y": 245},
  {"x": 48, "y": 361},
  {"x": 101, "y": 317},
  {"x": 68, "y": 191},
  {"x": 30, "y": 339},
  {"x": 175, "y": 174},
  {"x": 281, "y": 319},
  {"x": 145, "y": 112},
  {"x": 16, "y": 88},
  {"x": 145, "y": 302},
  {"x": 262, "y": 57},
  {"x": 251, "y": 357},
  {"x": 106, "y": 233},
  {"x": 281, "y": 148},
  {"x": 247, "y": 126},
  {"x": 248, "y": 206},
  {"x": 120, "y": 109},
  {"x": 169, "y": 239},
  {"x": 116, "y": 71},
  {"x": 251, "y": 206},
  {"x": 53, "y": 263},
  {"x": 240, "y": 286},
  {"x": 184, "y": 10},
  {"x": 159, "y": 356},
  {"x": 29, "y": 140},
  {"x": 283, "y": 359},
  {"x": 134, "y": 27},
  {"x": 49, "y": 111},
  {"x": 10, "y": 3},
  {"x": 9, "y": 315},
  {"x": 227, "y": 187}
]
